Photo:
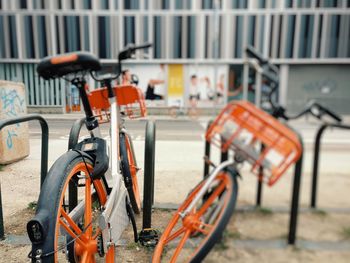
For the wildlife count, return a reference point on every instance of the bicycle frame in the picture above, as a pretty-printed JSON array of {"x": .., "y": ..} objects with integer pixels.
[
  {"x": 114, "y": 213},
  {"x": 206, "y": 185}
]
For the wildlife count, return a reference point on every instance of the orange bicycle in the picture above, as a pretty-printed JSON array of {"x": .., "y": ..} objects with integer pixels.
[
  {"x": 84, "y": 204},
  {"x": 201, "y": 219}
]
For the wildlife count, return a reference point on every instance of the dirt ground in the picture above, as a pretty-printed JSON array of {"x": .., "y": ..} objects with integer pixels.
[{"x": 261, "y": 225}]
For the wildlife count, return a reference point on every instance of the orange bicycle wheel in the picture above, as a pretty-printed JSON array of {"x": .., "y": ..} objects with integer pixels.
[
  {"x": 74, "y": 232},
  {"x": 189, "y": 238},
  {"x": 129, "y": 171}
]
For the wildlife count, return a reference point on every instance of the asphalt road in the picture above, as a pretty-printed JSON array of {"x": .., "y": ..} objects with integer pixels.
[{"x": 170, "y": 130}]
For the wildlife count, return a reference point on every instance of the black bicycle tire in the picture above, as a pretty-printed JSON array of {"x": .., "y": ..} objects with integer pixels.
[
  {"x": 216, "y": 235},
  {"x": 125, "y": 168},
  {"x": 148, "y": 186},
  {"x": 49, "y": 199}
]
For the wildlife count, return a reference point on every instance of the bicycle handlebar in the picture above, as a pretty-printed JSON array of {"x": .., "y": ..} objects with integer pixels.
[
  {"x": 124, "y": 54},
  {"x": 130, "y": 50},
  {"x": 270, "y": 72},
  {"x": 253, "y": 53},
  {"x": 319, "y": 110}
]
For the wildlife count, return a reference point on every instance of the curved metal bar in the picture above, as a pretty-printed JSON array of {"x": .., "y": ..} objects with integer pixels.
[
  {"x": 294, "y": 209},
  {"x": 317, "y": 148},
  {"x": 44, "y": 151},
  {"x": 74, "y": 133},
  {"x": 44, "y": 138}
]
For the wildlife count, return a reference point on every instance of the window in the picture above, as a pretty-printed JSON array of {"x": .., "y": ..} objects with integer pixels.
[
  {"x": 104, "y": 28},
  {"x": 129, "y": 30},
  {"x": 2, "y": 36},
  {"x": 23, "y": 4},
  {"x": 72, "y": 33},
  {"x": 191, "y": 37},
  {"x": 28, "y": 35},
  {"x": 42, "y": 36},
  {"x": 290, "y": 36},
  {"x": 157, "y": 50},
  {"x": 13, "y": 37},
  {"x": 177, "y": 36},
  {"x": 131, "y": 4},
  {"x": 306, "y": 33},
  {"x": 334, "y": 36},
  {"x": 86, "y": 4}
]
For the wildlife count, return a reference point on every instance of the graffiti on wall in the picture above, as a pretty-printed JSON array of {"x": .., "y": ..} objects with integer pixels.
[
  {"x": 325, "y": 86},
  {"x": 12, "y": 106}
]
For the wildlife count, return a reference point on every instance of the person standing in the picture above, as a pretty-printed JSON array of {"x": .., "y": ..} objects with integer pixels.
[
  {"x": 194, "y": 95},
  {"x": 126, "y": 77}
]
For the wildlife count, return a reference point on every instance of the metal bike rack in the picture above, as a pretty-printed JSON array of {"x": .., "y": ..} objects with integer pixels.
[
  {"x": 293, "y": 220},
  {"x": 317, "y": 147},
  {"x": 149, "y": 236},
  {"x": 44, "y": 151}
]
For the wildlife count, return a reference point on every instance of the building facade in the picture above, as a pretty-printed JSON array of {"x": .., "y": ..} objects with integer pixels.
[{"x": 308, "y": 39}]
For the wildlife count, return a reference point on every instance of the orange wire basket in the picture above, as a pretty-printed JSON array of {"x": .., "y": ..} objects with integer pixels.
[
  {"x": 243, "y": 127},
  {"x": 130, "y": 100}
]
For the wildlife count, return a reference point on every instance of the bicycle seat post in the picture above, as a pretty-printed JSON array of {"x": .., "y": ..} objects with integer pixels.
[{"x": 91, "y": 121}]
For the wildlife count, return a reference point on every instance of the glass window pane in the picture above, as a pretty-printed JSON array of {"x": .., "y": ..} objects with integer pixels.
[
  {"x": 157, "y": 37},
  {"x": 42, "y": 36},
  {"x": 131, "y": 4},
  {"x": 28, "y": 36},
  {"x": 334, "y": 36},
  {"x": 129, "y": 30},
  {"x": 72, "y": 33},
  {"x": 13, "y": 37},
  {"x": 177, "y": 37},
  {"x": 191, "y": 37},
  {"x": 104, "y": 28},
  {"x": 306, "y": 33},
  {"x": 2, "y": 36}
]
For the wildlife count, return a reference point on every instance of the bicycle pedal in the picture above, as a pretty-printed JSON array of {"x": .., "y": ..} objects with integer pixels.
[{"x": 149, "y": 237}]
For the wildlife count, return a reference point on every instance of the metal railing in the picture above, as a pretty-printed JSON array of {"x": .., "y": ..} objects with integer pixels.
[
  {"x": 317, "y": 150},
  {"x": 44, "y": 152}
]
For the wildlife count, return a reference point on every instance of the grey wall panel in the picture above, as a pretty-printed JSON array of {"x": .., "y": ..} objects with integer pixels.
[{"x": 328, "y": 84}]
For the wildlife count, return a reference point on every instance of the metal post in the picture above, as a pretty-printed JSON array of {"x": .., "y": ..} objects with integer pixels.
[
  {"x": 2, "y": 232},
  {"x": 44, "y": 138},
  {"x": 148, "y": 190},
  {"x": 44, "y": 151},
  {"x": 260, "y": 183},
  {"x": 315, "y": 166},
  {"x": 317, "y": 149},
  {"x": 295, "y": 196},
  {"x": 207, "y": 152}
]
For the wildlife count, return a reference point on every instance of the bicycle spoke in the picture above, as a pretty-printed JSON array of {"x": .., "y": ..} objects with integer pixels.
[
  {"x": 71, "y": 223},
  {"x": 80, "y": 240},
  {"x": 211, "y": 199},
  {"x": 175, "y": 235},
  {"x": 203, "y": 230},
  {"x": 180, "y": 246}
]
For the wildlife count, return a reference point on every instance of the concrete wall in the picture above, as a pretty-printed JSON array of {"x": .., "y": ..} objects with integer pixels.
[
  {"x": 328, "y": 84},
  {"x": 14, "y": 139}
]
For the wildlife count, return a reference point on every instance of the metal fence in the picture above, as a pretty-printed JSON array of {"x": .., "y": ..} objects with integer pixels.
[{"x": 38, "y": 91}]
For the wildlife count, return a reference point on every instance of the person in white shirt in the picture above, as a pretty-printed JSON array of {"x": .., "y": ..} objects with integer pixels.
[{"x": 194, "y": 95}]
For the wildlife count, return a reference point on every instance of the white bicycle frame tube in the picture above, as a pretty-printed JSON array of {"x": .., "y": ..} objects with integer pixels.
[
  {"x": 205, "y": 187},
  {"x": 114, "y": 153}
]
